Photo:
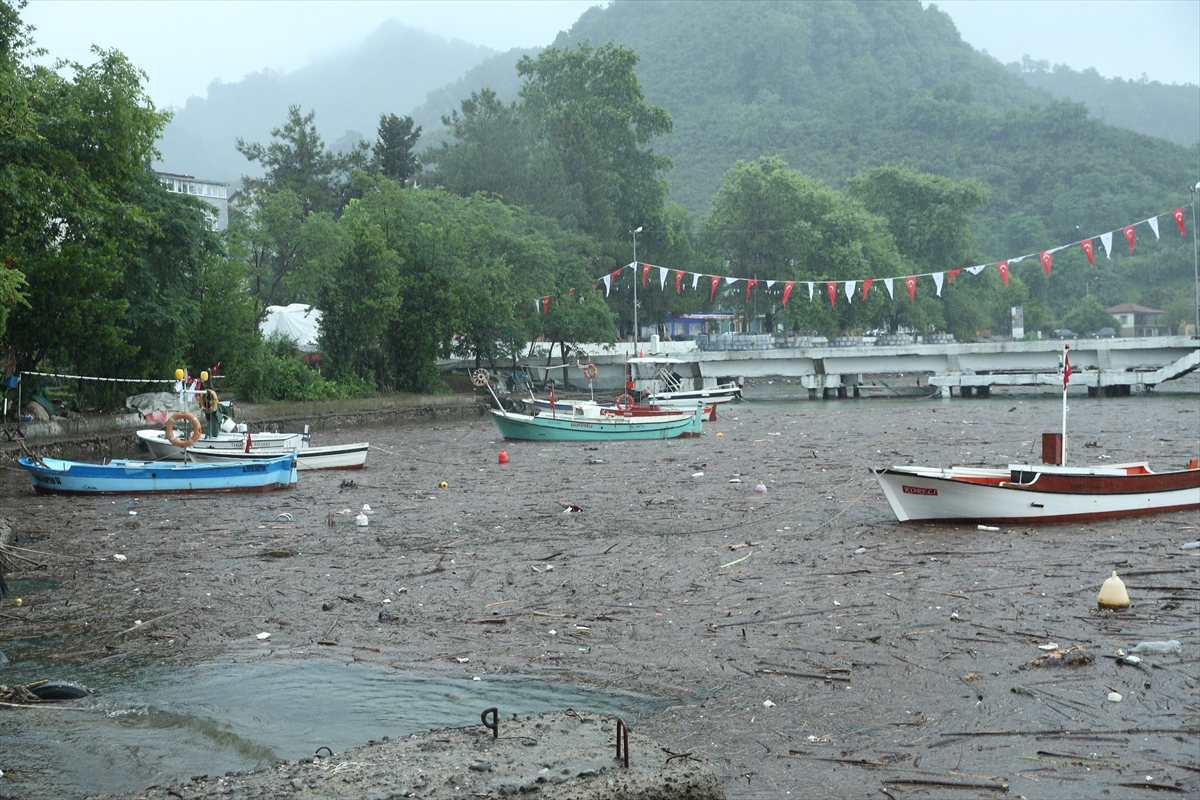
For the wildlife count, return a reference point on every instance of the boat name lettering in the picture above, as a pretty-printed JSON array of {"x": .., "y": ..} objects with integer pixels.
[
  {"x": 581, "y": 424},
  {"x": 919, "y": 490},
  {"x": 254, "y": 468},
  {"x": 47, "y": 479}
]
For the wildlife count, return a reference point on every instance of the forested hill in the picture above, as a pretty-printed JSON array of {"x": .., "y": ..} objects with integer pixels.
[
  {"x": 835, "y": 88},
  {"x": 392, "y": 71},
  {"x": 1156, "y": 109}
]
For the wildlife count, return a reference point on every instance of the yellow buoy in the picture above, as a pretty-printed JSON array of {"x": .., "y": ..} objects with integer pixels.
[
  {"x": 445, "y": 485},
  {"x": 1113, "y": 594},
  {"x": 719, "y": 435}
]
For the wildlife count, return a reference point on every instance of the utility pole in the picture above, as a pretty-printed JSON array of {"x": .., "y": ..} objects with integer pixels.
[{"x": 635, "y": 232}]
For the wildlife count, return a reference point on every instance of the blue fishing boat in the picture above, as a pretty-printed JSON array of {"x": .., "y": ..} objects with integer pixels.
[{"x": 125, "y": 476}]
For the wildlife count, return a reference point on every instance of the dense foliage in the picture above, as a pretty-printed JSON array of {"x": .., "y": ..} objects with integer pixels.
[{"x": 806, "y": 141}]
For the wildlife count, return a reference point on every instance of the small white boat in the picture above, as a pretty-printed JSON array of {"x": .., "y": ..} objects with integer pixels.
[
  {"x": 1026, "y": 493},
  {"x": 662, "y": 387},
  {"x": 334, "y": 456},
  {"x": 158, "y": 442}
]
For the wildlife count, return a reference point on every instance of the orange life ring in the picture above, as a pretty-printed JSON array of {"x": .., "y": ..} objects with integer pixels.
[
  {"x": 188, "y": 442},
  {"x": 590, "y": 371},
  {"x": 624, "y": 402},
  {"x": 209, "y": 402}
]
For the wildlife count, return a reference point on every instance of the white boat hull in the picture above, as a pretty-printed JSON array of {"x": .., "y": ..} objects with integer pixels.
[
  {"x": 162, "y": 450},
  {"x": 334, "y": 456},
  {"x": 1035, "y": 493}
]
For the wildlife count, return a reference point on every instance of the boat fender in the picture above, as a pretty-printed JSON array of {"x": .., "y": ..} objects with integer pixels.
[
  {"x": 176, "y": 417},
  {"x": 209, "y": 402},
  {"x": 58, "y": 690}
]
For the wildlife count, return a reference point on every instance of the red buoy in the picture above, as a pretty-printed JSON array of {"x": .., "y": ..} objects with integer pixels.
[{"x": 503, "y": 457}]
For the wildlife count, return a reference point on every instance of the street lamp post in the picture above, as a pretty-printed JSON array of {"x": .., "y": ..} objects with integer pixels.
[{"x": 635, "y": 232}]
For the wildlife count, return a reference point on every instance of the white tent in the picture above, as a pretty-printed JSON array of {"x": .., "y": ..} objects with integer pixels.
[{"x": 299, "y": 321}]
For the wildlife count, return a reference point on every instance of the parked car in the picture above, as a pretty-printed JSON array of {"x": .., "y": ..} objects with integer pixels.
[
  {"x": 1106, "y": 333},
  {"x": 1063, "y": 333}
]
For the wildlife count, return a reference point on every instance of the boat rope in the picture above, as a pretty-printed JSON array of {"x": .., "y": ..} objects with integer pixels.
[{"x": 95, "y": 378}]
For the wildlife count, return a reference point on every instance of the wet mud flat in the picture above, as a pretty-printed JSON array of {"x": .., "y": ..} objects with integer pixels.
[{"x": 802, "y": 641}]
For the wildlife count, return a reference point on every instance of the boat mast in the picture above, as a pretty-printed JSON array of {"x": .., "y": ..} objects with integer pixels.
[{"x": 1066, "y": 373}]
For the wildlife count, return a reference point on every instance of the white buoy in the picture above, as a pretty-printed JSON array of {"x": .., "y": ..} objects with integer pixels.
[
  {"x": 1113, "y": 594},
  {"x": 361, "y": 520}
]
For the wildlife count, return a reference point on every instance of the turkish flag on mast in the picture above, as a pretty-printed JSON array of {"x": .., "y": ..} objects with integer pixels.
[
  {"x": 1130, "y": 236},
  {"x": 1177, "y": 214},
  {"x": 1066, "y": 370},
  {"x": 750, "y": 285},
  {"x": 645, "y": 272},
  {"x": 1089, "y": 251}
]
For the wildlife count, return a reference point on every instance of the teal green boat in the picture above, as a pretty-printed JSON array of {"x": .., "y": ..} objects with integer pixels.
[{"x": 588, "y": 424}]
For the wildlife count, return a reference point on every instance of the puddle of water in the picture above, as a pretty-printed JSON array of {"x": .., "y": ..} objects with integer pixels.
[{"x": 163, "y": 725}]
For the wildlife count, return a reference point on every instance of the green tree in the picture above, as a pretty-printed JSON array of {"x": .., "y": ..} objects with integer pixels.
[
  {"x": 393, "y": 154},
  {"x": 297, "y": 160},
  {"x": 771, "y": 222},
  {"x": 587, "y": 107}
]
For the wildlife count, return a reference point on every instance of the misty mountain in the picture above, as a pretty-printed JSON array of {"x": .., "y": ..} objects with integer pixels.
[
  {"x": 392, "y": 71},
  {"x": 1171, "y": 112}
]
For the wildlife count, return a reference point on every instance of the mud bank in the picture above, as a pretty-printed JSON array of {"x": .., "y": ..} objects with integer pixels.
[{"x": 801, "y": 641}]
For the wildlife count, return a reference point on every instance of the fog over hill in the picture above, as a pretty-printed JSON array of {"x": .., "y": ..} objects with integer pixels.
[{"x": 392, "y": 72}]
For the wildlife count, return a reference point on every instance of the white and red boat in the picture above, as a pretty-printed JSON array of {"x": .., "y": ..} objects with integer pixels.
[{"x": 1026, "y": 493}]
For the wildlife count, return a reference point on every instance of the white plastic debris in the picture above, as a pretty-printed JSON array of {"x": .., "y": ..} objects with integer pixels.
[
  {"x": 860, "y": 551},
  {"x": 361, "y": 520},
  {"x": 761, "y": 488},
  {"x": 462, "y": 660},
  {"x": 553, "y": 632},
  {"x": 697, "y": 474},
  {"x": 1050, "y": 646},
  {"x": 137, "y": 622},
  {"x": 1190, "y": 546},
  {"x": 986, "y": 528},
  {"x": 387, "y": 599},
  {"x": 366, "y": 509},
  {"x": 1171, "y": 646},
  {"x": 768, "y": 704},
  {"x": 119, "y": 557},
  {"x": 133, "y": 513},
  {"x": 1115, "y": 697},
  {"x": 264, "y": 635}
]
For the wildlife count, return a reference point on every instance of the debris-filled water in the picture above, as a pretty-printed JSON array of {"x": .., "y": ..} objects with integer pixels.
[{"x": 801, "y": 639}]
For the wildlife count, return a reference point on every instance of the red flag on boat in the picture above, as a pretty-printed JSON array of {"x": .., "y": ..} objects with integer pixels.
[
  {"x": 1066, "y": 370},
  {"x": 249, "y": 441}
]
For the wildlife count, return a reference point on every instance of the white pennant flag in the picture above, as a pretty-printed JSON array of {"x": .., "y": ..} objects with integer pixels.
[
  {"x": 770, "y": 284},
  {"x": 977, "y": 270},
  {"x": 810, "y": 285},
  {"x": 1016, "y": 260},
  {"x": 850, "y": 291},
  {"x": 662, "y": 277},
  {"x": 937, "y": 279},
  {"x": 695, "y": 278},
  {"x": 1106, "y": 240},
  {"x": 607, "y": 284},
  {"x": 1153, "y": 223},
  {"x": 888, "y": 283},
  {"x": 729, "y": 280}
]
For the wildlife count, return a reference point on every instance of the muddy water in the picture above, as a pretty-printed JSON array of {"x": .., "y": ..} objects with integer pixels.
[{"x": 787, "y": 660}]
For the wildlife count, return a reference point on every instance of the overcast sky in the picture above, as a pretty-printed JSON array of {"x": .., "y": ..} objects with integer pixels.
[{"x": 183, "y": 45}]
